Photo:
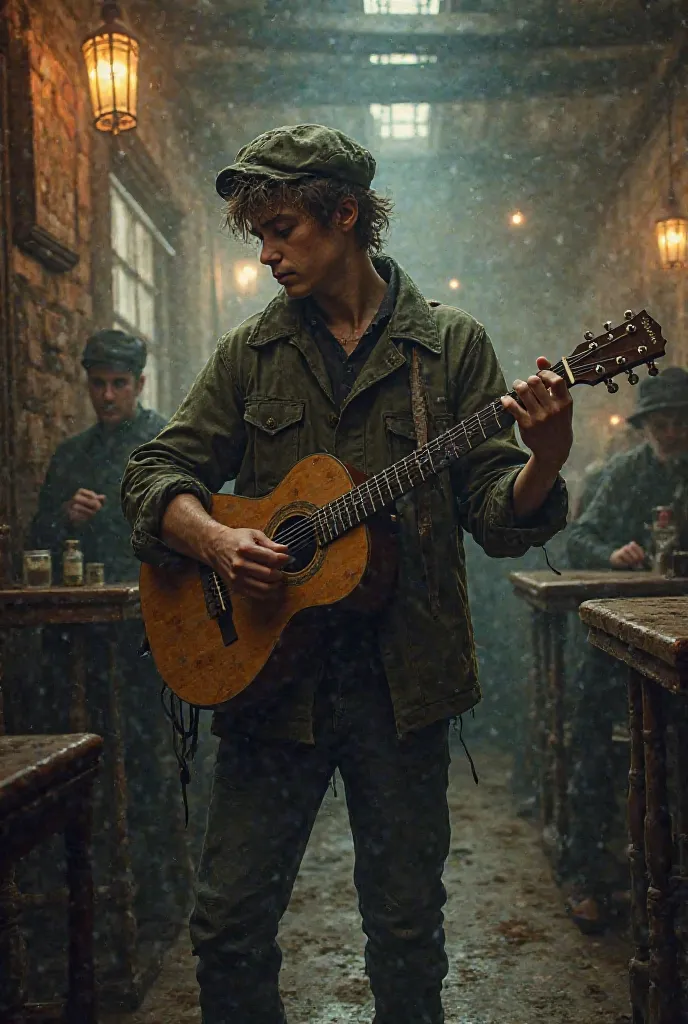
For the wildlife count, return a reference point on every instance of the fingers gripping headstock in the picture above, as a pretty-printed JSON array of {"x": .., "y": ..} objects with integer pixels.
[{"x": 636, "y": 341}]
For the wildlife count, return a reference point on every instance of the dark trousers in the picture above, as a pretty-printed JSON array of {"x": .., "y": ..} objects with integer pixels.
[{"x": 265, "y": 799}]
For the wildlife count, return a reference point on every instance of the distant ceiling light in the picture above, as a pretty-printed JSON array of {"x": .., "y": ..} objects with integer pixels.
[
  {"x": 454, "y": 284},
  {"x": 615, "y": 420},
  {"x": 401, "y": 6},
  {"x": 246, "y": 276},
  {"x": 517, "y": 218},
  {"x": 111, "y": 54},
  {"x": 403, "y": 58}
]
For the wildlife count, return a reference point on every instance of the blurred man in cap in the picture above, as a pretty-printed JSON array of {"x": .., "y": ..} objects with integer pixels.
[
  {"x": 80, "y": 495},
  {"x": 614, "y": 532},
  {"x": 80, "y": 499},
  {"x": 328, "y": 367}
]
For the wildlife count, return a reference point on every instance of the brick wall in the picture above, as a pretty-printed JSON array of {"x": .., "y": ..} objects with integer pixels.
[{"x": 54, "y": 312}]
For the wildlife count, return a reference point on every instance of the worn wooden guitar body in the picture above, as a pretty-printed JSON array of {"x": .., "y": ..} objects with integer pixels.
[{"x": 187, "y": 637}]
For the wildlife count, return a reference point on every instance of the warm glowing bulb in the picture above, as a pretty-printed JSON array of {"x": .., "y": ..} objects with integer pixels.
[
  {"x": 454, "y": 283},
  {"x": 517, "y": 218},
  {"x": 614, "y": 420},
  {"x": 245, "y": 275},
  {"x": 108, "y": 73}
]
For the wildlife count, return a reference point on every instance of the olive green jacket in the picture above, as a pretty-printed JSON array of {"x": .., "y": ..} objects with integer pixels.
[{"x": 264, "y": 401}]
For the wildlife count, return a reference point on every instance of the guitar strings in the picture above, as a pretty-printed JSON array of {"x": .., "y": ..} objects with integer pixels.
[{"x": 305, "y": 533}]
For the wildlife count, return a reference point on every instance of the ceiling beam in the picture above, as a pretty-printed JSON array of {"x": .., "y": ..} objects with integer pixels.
[
  {"x": 457, "y": 35},
  {"x": 562, "y": 74}
]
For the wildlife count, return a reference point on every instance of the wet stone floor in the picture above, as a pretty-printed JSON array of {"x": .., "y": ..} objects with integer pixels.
[{"x": 514, "y": 957}]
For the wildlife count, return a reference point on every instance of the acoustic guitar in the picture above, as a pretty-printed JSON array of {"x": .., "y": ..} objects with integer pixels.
[{"x": 212, "y": 646}]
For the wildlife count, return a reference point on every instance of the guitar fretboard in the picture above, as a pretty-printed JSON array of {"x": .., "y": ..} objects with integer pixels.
[{"x": 383, "y": 489}]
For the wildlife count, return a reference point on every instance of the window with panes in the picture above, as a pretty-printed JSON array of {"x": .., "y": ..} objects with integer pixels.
[{"x": 139, "y": 255}]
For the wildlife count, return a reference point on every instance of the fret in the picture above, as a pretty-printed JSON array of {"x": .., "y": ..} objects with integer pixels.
[
  {"x": 356, "y": 494},
  {"x": 370, "y": 495},
  {"x": 432, "y": 465},
  {"x": 418, "y": 464},
  {"x": 376, "y": 479},
  {"x": 348, "y": 511},
  {"x": 496, "y": 406},
  {"x": 396, "y": 474},
  {"x": 389, "y": 486},
  {"x": 480, "y": 424}
]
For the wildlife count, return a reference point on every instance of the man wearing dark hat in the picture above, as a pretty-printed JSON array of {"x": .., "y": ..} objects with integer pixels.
[
  {"x": 349, "y": 359},
  {"x": 80, "y": 495},
  {"x": 614, "y": 532},
  {"x": 80, "y": 500}
]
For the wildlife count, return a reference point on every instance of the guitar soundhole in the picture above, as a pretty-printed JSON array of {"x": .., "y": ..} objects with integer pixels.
[{"x": 298, "y": 534}]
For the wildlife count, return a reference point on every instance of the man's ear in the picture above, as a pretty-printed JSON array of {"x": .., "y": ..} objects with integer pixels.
[
  {"x": 346, "y": 214},
  {"x": 139, "y": 384}
]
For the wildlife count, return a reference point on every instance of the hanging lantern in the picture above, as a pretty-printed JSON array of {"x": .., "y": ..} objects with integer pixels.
[
  {"x": 672, "y": 238},
  {"x": 672, "y": 230},
  {"x": 112, "y": 61}
]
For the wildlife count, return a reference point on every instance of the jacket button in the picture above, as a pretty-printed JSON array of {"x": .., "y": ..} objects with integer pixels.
[
  {"x": 333, "y": 419},
  {"x": 270, "y": 423}
]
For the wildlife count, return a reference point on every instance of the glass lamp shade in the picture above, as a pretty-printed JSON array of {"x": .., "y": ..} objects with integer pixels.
[
  {"x": 672, "y": 241},
  {"x": 111, "y": 54}
]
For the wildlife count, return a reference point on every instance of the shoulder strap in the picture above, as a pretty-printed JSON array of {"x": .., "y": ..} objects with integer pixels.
[{"x": 419, "y": 408}]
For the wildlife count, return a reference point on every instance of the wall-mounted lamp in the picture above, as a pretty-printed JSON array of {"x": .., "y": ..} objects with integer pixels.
[
  {"x": 111, "y": 54},
  {"x": 516, "y": 219},
  {"x": 672, "y": 230},
  {"x": 454, "y": 284},
  {"x": 246, "y": 276}
]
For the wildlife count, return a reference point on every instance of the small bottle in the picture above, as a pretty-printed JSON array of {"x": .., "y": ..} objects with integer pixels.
[{"x": 72, "y": 564}]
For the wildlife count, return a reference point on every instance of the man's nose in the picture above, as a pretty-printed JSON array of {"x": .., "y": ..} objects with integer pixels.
[
  {"x": 268, "y": 256},
  {"x": 109, "y": 393}
]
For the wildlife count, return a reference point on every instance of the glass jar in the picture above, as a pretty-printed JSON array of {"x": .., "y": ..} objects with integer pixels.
[
  {"x": 95, "y": 574},
  {"x": 72, "y": 564},
  {"x": 37, "y": 568}
]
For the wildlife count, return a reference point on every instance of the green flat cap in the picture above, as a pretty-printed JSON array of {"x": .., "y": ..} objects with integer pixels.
[
  {"x": 115, "y": 349},
  {"x": 299, "y": 151}
]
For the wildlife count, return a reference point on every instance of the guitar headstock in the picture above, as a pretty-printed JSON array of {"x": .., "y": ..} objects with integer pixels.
[{"x": 636, "y": 341}]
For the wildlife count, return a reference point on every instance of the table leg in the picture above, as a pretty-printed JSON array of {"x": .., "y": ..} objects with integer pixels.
[
  {"x": 663, "y": 991},
  {"x": 557, "y": 690},
  {"x": 121, "y": 859},
  {"x": 78, "y": 714},
  {"x": 544, "y": 711},
  {"x": 81, "y": 1008},
  {"x": 680, "y": 880},
  {"x": 638, "y": 967},
  {"x": 12, "y": 950}
]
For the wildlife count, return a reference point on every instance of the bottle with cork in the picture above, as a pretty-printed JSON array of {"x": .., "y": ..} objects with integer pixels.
[{"x": 72, "y": 564}]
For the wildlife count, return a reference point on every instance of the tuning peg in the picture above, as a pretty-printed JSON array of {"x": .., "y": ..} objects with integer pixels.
[
  {"x": 612, "y": 386},
  {"x": 633, "y": 378},
  {"x": 607, "y": 325},
  {"x": 652, "y": 369},
  {"x": 588, "y": 335},
  {"x": 629, "y": 314}
]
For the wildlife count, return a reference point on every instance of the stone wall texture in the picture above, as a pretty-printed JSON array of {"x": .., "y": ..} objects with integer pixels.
[{"x": 54, "y": 312}]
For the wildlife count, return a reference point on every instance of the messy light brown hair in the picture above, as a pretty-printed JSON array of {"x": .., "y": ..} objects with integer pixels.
[{"x": 252, "y": 198}]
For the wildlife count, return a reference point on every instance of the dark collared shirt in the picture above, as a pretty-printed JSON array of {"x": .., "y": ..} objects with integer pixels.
[{"x": 343, "y": 369}]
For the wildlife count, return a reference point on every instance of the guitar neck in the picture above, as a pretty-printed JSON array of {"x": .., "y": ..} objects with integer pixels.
[{"x": 383, "y": 489}]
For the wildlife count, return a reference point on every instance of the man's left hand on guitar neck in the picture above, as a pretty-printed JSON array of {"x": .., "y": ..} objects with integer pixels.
[{"x": 545, "y": 422}]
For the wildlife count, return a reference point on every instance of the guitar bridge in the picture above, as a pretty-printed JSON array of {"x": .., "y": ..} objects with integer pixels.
[{"x": 218, "y": 603}]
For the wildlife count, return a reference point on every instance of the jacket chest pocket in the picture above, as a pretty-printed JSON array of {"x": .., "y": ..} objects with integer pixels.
[
  {"x": 274, "y": 429},
  {"x": 400, "y": 431}
]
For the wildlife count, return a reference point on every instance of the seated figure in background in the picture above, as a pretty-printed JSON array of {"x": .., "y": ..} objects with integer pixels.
[
  {"x": 79, "y": 500},
  {"x": 613, "y": 532}
]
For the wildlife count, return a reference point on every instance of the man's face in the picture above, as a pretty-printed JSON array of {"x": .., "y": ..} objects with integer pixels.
[
  {"x": 304, "y": 256},
  {"x": 114, "y": 394},
  {"x": 667, "y": 432}
]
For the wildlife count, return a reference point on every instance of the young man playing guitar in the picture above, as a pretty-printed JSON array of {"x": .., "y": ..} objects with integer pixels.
[{"x": 349, "y": 359}]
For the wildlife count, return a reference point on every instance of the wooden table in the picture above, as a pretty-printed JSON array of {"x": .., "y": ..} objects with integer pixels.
[
  {"x": 46, "y": 786},
  {"x": 79, "y": 608},
  {"x": 651, "y": 637},
  {"x": 551, "y": 599}
]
